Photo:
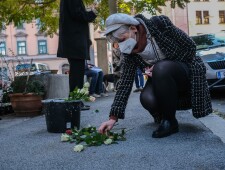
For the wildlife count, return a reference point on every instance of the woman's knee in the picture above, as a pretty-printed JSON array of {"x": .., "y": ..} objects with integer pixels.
[
  {"x": 161, "y": 68},
  {"x": 148, "y": 100}
]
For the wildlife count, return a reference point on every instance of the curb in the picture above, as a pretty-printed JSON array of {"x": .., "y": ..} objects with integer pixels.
[{"x": 216, "y": 124}]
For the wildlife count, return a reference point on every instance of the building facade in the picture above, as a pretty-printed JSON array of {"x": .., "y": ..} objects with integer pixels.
[{"x": 198, "y": 16}]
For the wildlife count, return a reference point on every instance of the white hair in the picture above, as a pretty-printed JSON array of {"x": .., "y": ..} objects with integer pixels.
[{"x": 121, "y": 30}]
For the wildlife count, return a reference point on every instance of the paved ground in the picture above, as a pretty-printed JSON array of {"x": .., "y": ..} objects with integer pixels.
[{"x": 26, "y": 144}]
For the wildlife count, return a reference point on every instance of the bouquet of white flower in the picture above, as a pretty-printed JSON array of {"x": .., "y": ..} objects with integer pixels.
[{"x": 81, "y": 94}]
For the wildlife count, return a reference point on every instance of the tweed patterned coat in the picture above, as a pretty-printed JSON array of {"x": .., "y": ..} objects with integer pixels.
[{"x": 176, "y": 46}]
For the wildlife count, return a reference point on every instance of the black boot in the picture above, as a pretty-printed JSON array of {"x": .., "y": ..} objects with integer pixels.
[
  {"x": 84, "y": 107},
  {"x": 157, "y": 118},
  {"x": 166, "y": 128}
]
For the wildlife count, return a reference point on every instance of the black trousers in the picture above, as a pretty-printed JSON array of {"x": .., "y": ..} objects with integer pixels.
[
  {"x": 76, "y": 74},
  {"x": 160, "y": 94}
]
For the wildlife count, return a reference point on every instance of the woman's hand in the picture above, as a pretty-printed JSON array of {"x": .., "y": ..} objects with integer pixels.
[
  {"x": 148, "y": 71},
  {"x": 106, "y": 126}
]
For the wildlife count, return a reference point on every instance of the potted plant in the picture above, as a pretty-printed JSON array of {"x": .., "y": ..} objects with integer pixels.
[
  {"x": 26, "y": 96},
  {"x": 25, "y": 91}
]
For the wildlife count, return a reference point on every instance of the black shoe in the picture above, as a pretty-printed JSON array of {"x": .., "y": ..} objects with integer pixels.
[
  {"x": 157, "y": 120},
  {"x": 157, "y": 117},
  {"x": 85, "y": 107},
  {"x": 166, "y": 128}
]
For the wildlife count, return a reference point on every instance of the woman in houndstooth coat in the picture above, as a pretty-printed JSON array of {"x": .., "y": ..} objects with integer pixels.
[{"x": 177, "y": 79}]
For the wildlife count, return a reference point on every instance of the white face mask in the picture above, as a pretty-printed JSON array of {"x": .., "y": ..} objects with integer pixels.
[{"x": 127, "y": 46}]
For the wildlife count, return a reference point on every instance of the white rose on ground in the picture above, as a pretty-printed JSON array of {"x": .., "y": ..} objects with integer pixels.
[
  {"x": 65, "y": 137},
  {"x": 78, "y": 148},
  {"x": 108, "y": 141},
  {"x": 91, "y": 98},
  {"x": 86, "y": 85}
]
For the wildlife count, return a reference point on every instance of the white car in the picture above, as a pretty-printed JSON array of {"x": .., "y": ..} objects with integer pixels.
[
  {"x": 35, "y": 69},
  {"x": 211, "y": 49}
]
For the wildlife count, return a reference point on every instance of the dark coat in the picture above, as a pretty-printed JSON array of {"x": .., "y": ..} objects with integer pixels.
[
  {"x": 176, "y": 46},
  {"x": 74, "y": 30}
]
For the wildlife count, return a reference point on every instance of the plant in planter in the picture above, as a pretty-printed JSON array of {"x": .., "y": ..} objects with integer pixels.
[
  {"x": 26, "y": 96},
  {"x": 24, "y": 90}
]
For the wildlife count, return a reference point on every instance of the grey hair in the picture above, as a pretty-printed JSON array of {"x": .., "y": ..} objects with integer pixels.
[{"x": 121, "y": 30}]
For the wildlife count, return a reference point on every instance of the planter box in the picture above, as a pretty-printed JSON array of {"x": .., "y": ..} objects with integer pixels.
[
  {"x": 61, "y": 115},
  {"x": 28, "y": 104}
]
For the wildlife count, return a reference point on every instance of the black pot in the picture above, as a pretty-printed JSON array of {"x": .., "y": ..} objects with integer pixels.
[{"x": 61, "y": 115}]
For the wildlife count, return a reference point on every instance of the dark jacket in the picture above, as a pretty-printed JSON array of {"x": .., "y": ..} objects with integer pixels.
[
  {"x": 176, "y": 46},
  {"x": 74, "y": 30}
]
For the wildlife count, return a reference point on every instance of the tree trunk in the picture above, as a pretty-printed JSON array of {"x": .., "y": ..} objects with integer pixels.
[{"x": 112, "y": 6}]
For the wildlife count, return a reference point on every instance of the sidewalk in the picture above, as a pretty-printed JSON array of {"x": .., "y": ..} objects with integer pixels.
[{"x": 26, "y": 144}]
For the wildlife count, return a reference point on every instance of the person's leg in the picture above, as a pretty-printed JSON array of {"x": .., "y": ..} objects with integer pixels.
[
  {"x": 76, "y": 77},
  {"x": 136, "y": 80},
  {"x": 141, "y": 78},
  {"x": 94, "y": 77},
  {"x": 169, "y": 78},
  {"x": 137, "y": 83},
  {"x": 105, "y": 80},
  {"x": 99, "y": 88},
  {"x": 148, "y": 101},
  {"x": 76, "y": 74}
]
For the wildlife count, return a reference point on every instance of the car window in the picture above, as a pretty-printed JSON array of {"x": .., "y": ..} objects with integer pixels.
[
  {"x": 209, "y": 40},
  {"x": 25, "y": 67},
  {"x": 42, "y": 67}
]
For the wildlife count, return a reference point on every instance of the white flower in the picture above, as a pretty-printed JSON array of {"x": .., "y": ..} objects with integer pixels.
[
  {"x": 65, "y": 137},
  {"x": 108, "y": 141},
  {"x": 78, "y": 148},
  {"x": 86, "y": 92},
  {"x": 86, "y": 85},
  {"x": 82, "y": 91},
  {"x": 91, "y": 98}
]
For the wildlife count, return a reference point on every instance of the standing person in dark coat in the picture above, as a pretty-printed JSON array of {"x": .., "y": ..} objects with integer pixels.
[{"x": 74, "y": 38}]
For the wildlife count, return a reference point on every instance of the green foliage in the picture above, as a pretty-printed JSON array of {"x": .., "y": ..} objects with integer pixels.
[
  {"x": 27, "y": 11},
  {"x": 33, "y": 86},
  {"x": 91, "y": 137},
  {"x": 48, "y": 11}
]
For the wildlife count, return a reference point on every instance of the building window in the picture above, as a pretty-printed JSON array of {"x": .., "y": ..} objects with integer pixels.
[
  {"x": 2, "y": 48},
  {"x": 206, "y": 17},
  {"x": 202, "y": 17},
  {"x": 222, "y": 17},
  {"x": 198, "y": 17},
  {"x": 21, "y": 48},
  {"x": 42, "y": 47}
]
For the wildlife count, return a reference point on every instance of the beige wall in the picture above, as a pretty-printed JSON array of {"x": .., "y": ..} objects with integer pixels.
[
  {"x": 31, "y": 38},
  {"x": 185, "y": 18},
  {"x": 213, "y": 6}
]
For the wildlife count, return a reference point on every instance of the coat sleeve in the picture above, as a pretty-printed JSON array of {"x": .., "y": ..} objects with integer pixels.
[
  {"x": 78, "y": 12},
  {"x": 173, "y": 42},
  {"x": 124, "y": 88}
]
